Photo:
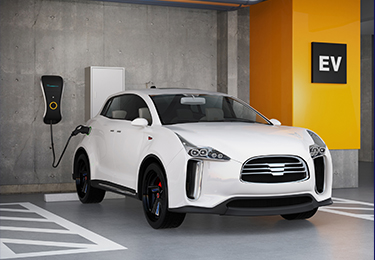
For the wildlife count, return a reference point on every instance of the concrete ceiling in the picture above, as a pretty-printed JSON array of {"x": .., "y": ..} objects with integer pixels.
[
  {"x": 367, "y": 7},
  {"x": 220, "y": 5}
]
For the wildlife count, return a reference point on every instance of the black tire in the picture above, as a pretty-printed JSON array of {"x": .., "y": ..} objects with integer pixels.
[
  {"x": 155, "y": 200},
  {"x": 302, "y": 215},
  {"x": 86, "y": 193}
]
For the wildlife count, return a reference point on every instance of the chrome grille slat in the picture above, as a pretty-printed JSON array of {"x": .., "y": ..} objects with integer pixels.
[
  {"x": 269, "y": 167},
  {"x": 249, "y": 173},
  {"x": 274, "y": 169},
  {"x": 257, "y": 169},
  {"x": 267, "y": 164}
]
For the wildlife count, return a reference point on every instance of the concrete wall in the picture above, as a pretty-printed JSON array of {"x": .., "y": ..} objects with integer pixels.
[
  {"x": 171, "y": 47},
  {"x": 366, "y": 153}
]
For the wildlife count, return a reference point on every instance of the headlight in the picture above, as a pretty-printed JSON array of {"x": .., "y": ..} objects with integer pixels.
[
  {"x": 319, "y": 147},
  {"x": 202, "y": 152}
]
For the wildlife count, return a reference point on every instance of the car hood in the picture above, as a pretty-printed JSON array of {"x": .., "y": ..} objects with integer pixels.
[{"x": 241, "y": 141}]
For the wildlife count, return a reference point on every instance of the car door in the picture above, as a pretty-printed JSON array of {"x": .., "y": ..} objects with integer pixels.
[
  {"x": 112, "y": 115},
  {"x": 128, "y": 140}
]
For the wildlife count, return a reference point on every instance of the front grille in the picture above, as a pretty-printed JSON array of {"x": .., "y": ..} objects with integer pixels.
[{"x": 274, "y": 169}]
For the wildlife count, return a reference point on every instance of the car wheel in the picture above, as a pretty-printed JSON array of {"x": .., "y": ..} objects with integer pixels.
[
  {"x": 302, "y": 215},
  {"x": 155, "y": 200},
  {"x": 86, "y": 193}
]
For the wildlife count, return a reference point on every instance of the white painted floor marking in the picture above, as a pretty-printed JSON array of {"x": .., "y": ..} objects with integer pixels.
[
  {"x": 341, "y": 209},
  {"x": 347, "y": 201},
  {"x": 98, "y": 244},
  {"x": 39, "y": 230},
  {"x": 25, "y": 219},
  {"x": 351, "y": 208},
  {"x": 15, "y": 210},
  {"x": 54, "y": 197}
]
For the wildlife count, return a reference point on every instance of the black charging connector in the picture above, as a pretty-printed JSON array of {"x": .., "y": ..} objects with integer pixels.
[{"x": 81, "y": 129}]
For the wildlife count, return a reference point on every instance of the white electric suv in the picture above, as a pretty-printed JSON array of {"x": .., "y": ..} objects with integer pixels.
[{"x": 190, "y": 151}]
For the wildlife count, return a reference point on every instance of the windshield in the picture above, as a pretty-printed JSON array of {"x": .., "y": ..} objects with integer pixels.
[{"x": 183, "y": 108}]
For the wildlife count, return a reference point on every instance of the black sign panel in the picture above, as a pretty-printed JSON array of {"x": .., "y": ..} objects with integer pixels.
[{"x": 328, "y": 63}]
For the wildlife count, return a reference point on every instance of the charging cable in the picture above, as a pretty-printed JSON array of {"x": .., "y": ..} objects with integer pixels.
[{"x": 79, "y": 129}]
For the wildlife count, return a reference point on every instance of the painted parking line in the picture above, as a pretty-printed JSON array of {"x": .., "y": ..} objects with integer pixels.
[
  {"x": 10, "y": 212},
  {"x": 351, "y": 208}
]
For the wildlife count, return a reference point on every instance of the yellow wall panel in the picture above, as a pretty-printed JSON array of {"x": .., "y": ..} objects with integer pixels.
[
  {"x": 332, "y": 110},
  {"x": 271, "y": 59}
]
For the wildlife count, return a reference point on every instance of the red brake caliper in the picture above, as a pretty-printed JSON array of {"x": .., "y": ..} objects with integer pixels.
[{"x": 158, "y": 194}]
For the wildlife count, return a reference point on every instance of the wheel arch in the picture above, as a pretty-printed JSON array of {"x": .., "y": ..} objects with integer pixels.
[
  {"x": 149, "y": 159},
  {"x": 79, "y": 151}
]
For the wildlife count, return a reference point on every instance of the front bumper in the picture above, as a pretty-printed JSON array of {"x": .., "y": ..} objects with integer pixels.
[
  {"x": 250, "y": 206},
  {"x": 223, "y": 192}
]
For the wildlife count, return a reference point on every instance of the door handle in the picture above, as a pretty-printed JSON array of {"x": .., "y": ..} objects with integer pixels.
[{"x": 112, "y": 131}]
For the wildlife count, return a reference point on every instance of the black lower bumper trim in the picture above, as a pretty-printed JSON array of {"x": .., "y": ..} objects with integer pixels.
[{"x": 250, "y": 206}]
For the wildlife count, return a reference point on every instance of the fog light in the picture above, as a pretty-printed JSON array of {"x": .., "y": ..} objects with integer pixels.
[{"x": 194, "y": 179}]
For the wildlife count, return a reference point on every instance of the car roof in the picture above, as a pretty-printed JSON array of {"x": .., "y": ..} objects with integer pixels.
[{"x": 172, "y": 91}]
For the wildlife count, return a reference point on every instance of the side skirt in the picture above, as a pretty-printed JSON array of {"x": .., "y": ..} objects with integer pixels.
[{"x": 109, "y": 186}]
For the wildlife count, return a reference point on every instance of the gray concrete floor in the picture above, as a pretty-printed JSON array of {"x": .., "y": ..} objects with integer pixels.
[{"x": 348, "y": 233}]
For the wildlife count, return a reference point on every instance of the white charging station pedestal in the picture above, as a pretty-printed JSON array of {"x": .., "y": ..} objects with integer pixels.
[{"x": 101, "y": 82}]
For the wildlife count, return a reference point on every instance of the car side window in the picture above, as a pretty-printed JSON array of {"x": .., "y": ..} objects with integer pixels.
[{"x": 127, "y": 107}]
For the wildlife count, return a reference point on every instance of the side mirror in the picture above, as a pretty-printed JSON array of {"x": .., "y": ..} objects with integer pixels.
[
  {"x": 275, "y": 122},
  {"x": 141, "y": 122}
]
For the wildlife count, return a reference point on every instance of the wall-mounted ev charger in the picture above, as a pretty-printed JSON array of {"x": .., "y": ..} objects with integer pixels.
[{"x": 52, "y": 87}]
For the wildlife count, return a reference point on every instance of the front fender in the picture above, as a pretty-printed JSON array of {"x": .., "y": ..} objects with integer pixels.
[{"x": 164, "y": 146}]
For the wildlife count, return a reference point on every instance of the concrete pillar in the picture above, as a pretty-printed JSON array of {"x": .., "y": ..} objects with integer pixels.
[
  {"x": 233, "y": 53},
  {"x": 222, "y": 52},
  {"x": 366, "y": 153},
  {"x": 243, "y": 55},
  {"x": 345, "y": 168}
]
